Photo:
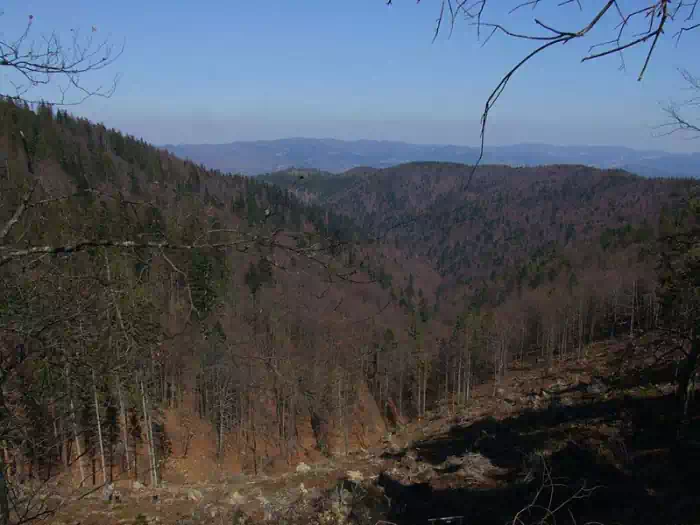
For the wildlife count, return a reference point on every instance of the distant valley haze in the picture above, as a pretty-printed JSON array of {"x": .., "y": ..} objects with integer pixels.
[
  {"x": 336, "y": 156},
  {"x": 270, "y": 70}
]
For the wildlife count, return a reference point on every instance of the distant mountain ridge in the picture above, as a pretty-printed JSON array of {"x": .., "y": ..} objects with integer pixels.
[{"x": 333, "y": 155}]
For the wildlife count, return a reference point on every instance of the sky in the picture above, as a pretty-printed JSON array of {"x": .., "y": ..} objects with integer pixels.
[{"x": 221, "y": 71}]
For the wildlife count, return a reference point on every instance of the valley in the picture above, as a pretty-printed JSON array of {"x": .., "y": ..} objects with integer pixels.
[
  {"x": 182, "y": 345},
  {"x": 472, "y": 299}
]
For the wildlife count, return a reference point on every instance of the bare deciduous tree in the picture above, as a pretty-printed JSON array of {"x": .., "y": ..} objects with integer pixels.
[
  {"x": 30, "y": 61},
  {"x": 626, "y": 26},
  {"x": 684, "y": 115}
]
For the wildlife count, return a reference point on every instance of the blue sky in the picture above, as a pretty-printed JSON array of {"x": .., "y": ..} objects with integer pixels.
[{"x": 218, "y": 71}]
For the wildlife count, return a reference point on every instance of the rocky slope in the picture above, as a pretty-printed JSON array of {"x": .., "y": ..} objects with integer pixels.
[{"x": 583, "y": 441}]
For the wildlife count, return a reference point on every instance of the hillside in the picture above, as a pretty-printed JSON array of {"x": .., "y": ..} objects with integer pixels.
[
  {"x": 337, "y": 156},
  {"x": 513, "y": 230},
  {"x": 170, "y": 333},
  {"x": 583, "y": 441},
  {"x": 170, "y": 322}
]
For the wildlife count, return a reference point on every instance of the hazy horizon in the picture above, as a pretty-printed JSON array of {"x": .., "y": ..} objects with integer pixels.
[
  {"x": 222, "y": 72},
  {"x": 164, "y": 130},
  {"x": 424, "y": 144}
]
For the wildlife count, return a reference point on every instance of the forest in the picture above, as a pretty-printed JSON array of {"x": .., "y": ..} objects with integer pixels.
[{"x": 298, "y": 310}]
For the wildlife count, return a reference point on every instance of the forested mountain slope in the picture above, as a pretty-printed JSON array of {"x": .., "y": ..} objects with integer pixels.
[
  {"x": 160, "y": 320},
  {"x": 506, "y": 217},
  {"x": 554, "y": 256},
  {"x": 137, "y": 287}
]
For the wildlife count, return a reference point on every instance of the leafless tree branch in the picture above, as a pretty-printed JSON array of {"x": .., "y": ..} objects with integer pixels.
[
  {"x": 684, "y": 115},
  {"x": 634, "y": 28},
  {"x": 31, "y": 63}
]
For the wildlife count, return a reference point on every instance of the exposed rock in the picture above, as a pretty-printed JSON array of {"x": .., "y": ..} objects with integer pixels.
[
  {"x": 559, "y": 386},
  {"x": 236, "y": 498},
  {"x": 194, "y": 495},
  {"x": 393, "y": 449},
  {"x": 108, "y": 492},
  {"x": 424, "y": 474},
  {"x": 344, "y": 497},
  {"x": 213, "y": 511},
  {"x": 596, "y": 387},
  {"x": 137, "y": 485},
  {"x": 238, "y": 479},
  {"x": 266, "y": 506},
  {"x": 398, "y": 475},
  {"x": 408, "y": 462},
  {"x": 355, "y": 475},
  {"x": 566, "y": 402},
  {"x": 478, "y": 469},
  {"x": 303, "y": 468},
  {"x": 238, "y": 517},
  {"x": 313, "y": 494},
  {"x": 454, "y": 461}
]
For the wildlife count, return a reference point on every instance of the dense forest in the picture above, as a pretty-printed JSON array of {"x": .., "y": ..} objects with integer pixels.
[
  {"x": 136, "y": 286},
  {"x": 516, "y": 263},
  {"x": 133, "y": 282}
]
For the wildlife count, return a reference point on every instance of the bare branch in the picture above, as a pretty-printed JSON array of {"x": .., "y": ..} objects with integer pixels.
[
  {"x": 24, "y": 204},
  {"x": 32, "y": 64},
  {"x": 650, "y": 21},
  {"x": 677, "y": 112}
]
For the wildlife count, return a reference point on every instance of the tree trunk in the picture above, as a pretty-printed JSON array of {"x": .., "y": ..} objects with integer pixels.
[
  {"x": 457, "y": 397},
  {"x": 77, "y": 439},
  {"x": 125, "y": 427},
  {"x": 77, "y": 444},
  {"x": 149, "y": 437},
  {"x": 580, "y": 329},
  {"x": 220, "y": 444},
  {"x": 56, "y": 436},
  {"x": 634, "y": 304},
  {"x": 686, "y": 382},
  {"x": 99, "y": 430},
  {"x": 64, "y": 444},
  {"x": 401, "y": 386},
  {"x": 255, "y": 437},
  {"x": 447, "y": 381},
  {"x": 387, "y": 396},
  {"x": 425, "y": 385},
  {"x": 468, "y": 386},
  {"x": 4, "y": 503},
  {"x": 615, "y": 300},
  {"x": 341, "y": 408}
]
